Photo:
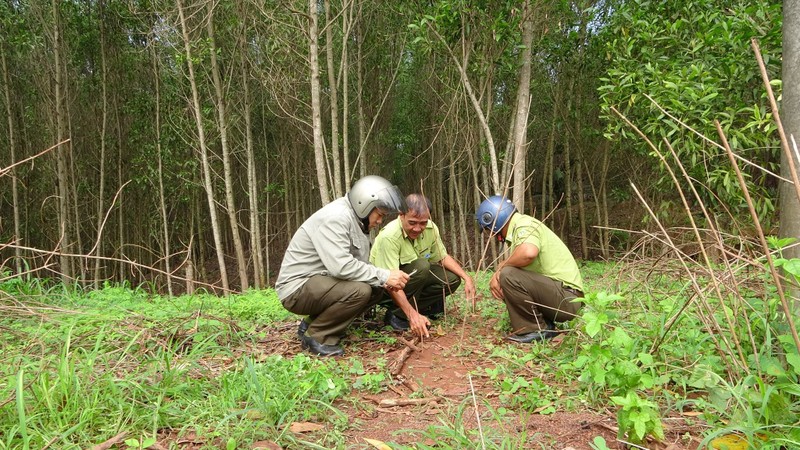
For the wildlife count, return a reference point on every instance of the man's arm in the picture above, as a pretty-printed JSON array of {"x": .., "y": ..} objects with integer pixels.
[
  {"x": 449, "y": 263},
  {"x": 523, "y": 255}
]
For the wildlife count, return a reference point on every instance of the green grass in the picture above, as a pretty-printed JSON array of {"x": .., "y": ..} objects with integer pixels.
[{"x": 77, "y": 368}]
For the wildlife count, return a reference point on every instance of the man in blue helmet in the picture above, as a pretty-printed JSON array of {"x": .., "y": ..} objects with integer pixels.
[
  {"x": 540, "y": 280},
  {"x": 326, "y": 274}
]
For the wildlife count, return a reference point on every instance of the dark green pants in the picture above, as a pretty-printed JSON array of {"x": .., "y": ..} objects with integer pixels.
[
  {"x": 331, "y": 305},
  {"x": 533, "y": 300},
  {"x": 426, "y": 289}
]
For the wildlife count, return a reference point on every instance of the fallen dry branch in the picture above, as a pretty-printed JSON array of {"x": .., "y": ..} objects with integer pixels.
[
  {"x": 407, "y": 401},
  {"x": 396, "y": 366},
  {"x": 409, "y": 383},
  {"x": 413, "y": 344},
  {"x": 111, "y": 442}
]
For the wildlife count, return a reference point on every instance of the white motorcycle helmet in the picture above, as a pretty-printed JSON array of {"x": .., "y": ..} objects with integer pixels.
[{"x": 373, "y": 192}]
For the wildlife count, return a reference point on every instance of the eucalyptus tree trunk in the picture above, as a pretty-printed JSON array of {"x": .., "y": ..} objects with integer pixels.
[
  {"x": 790, "y": 116},
  {"x": 316, "y": 104},
  {"x": 451, "y": 194},
  {"x": 222, "y": 123},
  {"x": 161, "y": 198},
  {"x": 12, "y": 144},
  {"x": 604, "y": 232},
  {"x": 464, "y": 216},
  {"x": 547, "y": 168},
  {"x": 207, "y": 183},
  {"x": 252, "y": 185},
  {"x": 347, "y": 24},
  {"x": 523, "y": 108},
  {"x": 581, "y": 205},
  {"x": 487, "y": 132},
  {"x": 189, "y": 268},
  {"x": 334, "y": 100},
  {"x": 119, "y": 201},
  {"x": 103, "y": 143},
  {"x": 362, "y": 133},
  {"x": 64, "y": 245},
  {"x": 77, "y": 244},
  {"x": 567, "y": 156},
  {"x": 507, "y": 164}
]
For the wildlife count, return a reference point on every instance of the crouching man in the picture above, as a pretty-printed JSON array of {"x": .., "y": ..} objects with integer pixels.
[
  {"x": 540, "y": 280},
  {"x": 412, "y": 243},
  {"x": 326, "y": 274}
]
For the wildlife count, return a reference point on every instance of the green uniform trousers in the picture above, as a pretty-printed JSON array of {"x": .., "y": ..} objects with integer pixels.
[
  {"x": 331, "y": 305},
  {"x": 426, "y": 289},
  {"x": 535, "y": 301}
]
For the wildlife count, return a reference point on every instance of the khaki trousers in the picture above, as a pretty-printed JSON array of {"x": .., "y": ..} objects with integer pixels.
[
  {"x": 331, "y": 305},
  {"x": 533, "y": 300}
]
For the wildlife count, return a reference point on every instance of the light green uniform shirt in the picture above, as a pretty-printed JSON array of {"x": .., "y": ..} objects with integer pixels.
[
  {"x": 393, "y": 248},
  {"x": 555, "y": 260}
]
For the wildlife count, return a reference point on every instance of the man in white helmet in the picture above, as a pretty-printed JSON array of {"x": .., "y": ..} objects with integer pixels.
[{"x": 326, "y": 274}]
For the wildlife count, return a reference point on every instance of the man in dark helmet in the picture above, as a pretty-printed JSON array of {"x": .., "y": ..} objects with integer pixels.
[
  {"x": 540, "y": 280},
  {"x": 326, "y": 274}
]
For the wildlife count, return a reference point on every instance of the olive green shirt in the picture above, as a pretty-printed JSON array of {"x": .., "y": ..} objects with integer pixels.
[
  {"x": 393, "y": 248},
  {"x": 554, "y": 260}
]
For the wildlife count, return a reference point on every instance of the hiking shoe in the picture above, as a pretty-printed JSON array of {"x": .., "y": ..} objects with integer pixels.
[
  {"x": 395, "y": 322},
  {"x": 316, "y": 348}
]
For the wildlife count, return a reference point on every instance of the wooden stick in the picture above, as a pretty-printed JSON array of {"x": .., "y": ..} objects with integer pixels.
[
  {"x": 111, "y": 442},
  {"x": 407, "y": 401},
  {"x": 413, "y": 345},
  {"x": 409, "y": 383},
  {"x": 396, "y": 366}
]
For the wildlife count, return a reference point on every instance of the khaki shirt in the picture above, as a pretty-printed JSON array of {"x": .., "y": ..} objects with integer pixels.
[
  {"x": 329, "y": 243},
  {"x": 554, "y": 260},
  {"x": 393, "y": 248}
]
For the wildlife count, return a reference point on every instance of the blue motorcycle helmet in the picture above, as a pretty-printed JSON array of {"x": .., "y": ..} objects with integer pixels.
[{"x": 494, "y": 213}]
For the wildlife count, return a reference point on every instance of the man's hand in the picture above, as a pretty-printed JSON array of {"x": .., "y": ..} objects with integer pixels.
[
  {"x": 469, "y": 290},
  {"x": 397, "y": 280},
  {"x": 494, "y": 286},
  {"x": 419, "y": 324}
]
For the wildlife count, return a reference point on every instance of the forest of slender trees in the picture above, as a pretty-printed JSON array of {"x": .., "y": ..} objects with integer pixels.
[{"x": 182, "y": 143}]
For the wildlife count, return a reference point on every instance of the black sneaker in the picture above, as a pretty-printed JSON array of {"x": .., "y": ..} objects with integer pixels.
[
  {"x": 534, "y": 336},
  {"x": 316, "y": 348},
  {"x": 395, "y": 322}
]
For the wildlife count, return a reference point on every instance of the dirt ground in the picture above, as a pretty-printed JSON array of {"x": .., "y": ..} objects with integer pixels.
[{"x": 442, "y": 381}]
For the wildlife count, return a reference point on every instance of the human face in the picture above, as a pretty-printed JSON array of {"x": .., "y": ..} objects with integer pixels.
[
  {"x": 414, "y": 224},
  {"x": 499, "y": 236},
  {"x": 376, "y": 217}
]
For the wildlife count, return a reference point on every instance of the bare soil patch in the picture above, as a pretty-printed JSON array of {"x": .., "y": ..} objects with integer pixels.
[{"x": 444, "y": 379}]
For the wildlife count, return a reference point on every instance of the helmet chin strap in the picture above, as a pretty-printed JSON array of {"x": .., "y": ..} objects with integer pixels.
[{"x": 365, "y": 225}]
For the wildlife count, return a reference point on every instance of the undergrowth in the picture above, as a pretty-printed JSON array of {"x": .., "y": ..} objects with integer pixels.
[{"x": 77, "y": 368}]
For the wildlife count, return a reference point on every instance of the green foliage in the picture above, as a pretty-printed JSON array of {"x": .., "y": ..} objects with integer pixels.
[
  {"x": 282, "y": 390},
  {"x": 599, "y": 443},
  {"x": 693, "y": 58},
  {"x": 124, "y": 359},
  {"x": 452, "y": 434},
  {"x": 369, "y": 382},
  {"x": 638, "y": 418}
]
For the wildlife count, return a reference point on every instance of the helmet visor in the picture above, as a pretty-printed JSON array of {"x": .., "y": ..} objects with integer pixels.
[{"x": 390, "y": 202}]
